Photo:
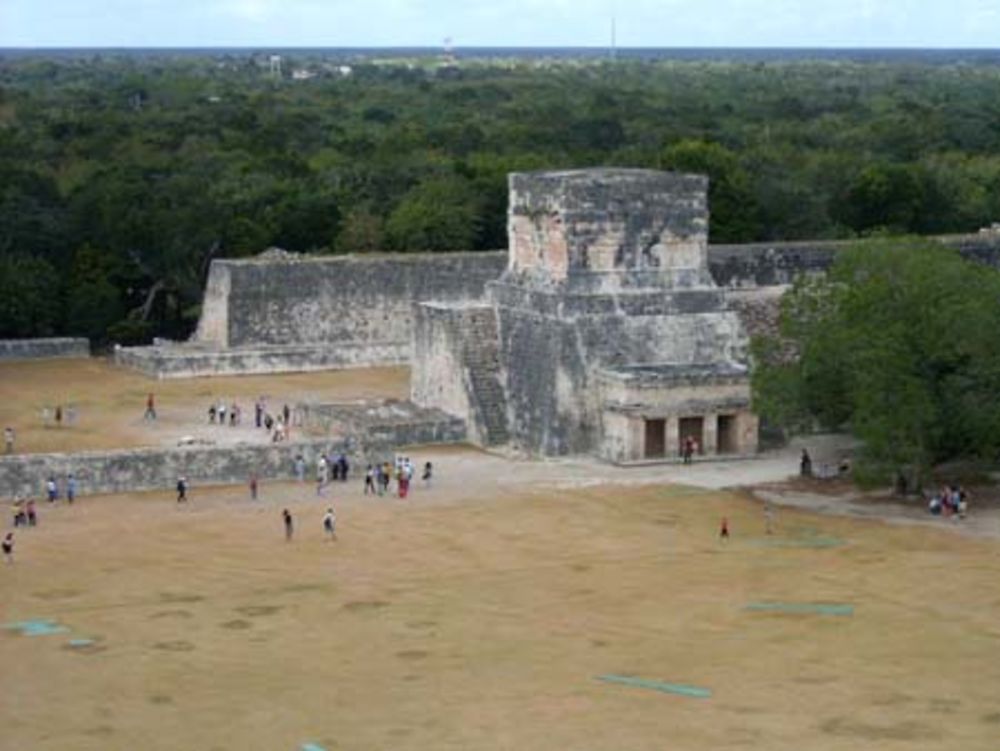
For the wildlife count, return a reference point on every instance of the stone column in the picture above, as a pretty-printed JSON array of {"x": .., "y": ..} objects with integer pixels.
[
  {"x": 710, "y": 434},
  {"x": 673, "y": 442}
]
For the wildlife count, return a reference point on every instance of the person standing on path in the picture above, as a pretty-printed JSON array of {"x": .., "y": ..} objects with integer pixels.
[
  {"x": 286, "y": 515},
  {"x": 253, "y": 486},
  {"x": 8, "y": 547},
  {"x": 150, "y": 408},
  {"x": 330, "y": 524},
  {"x": 32, "y": 514},
  {"x": 70, "y": 488},
  {"x": 370, "y": 480},
  {"x": 724, "y": 529},
  {"x": 182, "y": 489},
  {"x": 52, "y": 489}
]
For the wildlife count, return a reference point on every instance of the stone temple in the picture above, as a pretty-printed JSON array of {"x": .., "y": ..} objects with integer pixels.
[{"x": 606, "y": 333}]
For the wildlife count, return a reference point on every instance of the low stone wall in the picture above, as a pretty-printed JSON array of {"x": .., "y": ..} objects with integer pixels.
[
  {"x": 37, "y": 349},
  {"x": 189, "y": 361},
  {"x": 158, "y": 469}
]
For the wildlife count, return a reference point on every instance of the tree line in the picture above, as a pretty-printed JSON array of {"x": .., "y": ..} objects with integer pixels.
[{"x": 122, "y": 177}]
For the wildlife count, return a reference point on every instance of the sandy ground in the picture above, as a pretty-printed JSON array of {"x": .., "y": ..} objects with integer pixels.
[
  {"x": 479, "y": 613},
  {"x": 109, "y": 402}
]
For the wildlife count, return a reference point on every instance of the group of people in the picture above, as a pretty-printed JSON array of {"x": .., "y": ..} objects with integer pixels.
[
  {"x": 379, "y": 476},
  {"x": 329, "y": 468},
  {"x": 25, "y": 510},
  {"x": 951, "y": 500}
]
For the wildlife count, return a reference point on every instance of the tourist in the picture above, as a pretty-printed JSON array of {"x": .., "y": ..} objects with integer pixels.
[
  {"x": 211, "y": 414},
  {"x": 286, "y": 515},
  {"x": 428, "y": 473},
  {"x": 182, "y": 487},
  {"x": 386, "y": 476},
  {"x": 724, "y": 529},
  {"x": 335, "y": 470},
  {"x": 268, "y": 423},
  {"x": 58, "y": 415},
  {"x": 221, "y": 412},
  {"x": 8, "y": 439},
  {"x": 258, "y": 413},
  {"x": 370, "y": 480},
  {"x": 344, "y": 467},
  {"x": 805, "y": 464},
  {"x": 688, "y": 450},
  {"x": 20, "y": 518},
  {"x": 403, "y": 479},
  {"x": 150, "y": 413},
  {"x": 287, "y": 414},
  {"x": 934, "y": 507},
  {"x": 300, "y": 468},
  {"x": 32, "y": 515},
  {"x": 233, "y": 415},
  {"x": 52, "y": 489},
  {"x": 253, "y": 486},
  {"x": 8, "y": 547},
  {"x": 70, "y": 488},
  {"x": 330, "y": 524},
  {"x": 768, "y": 518}
]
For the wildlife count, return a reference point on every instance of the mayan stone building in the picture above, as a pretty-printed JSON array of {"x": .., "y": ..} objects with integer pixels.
[{"x": 606, "y": 333}]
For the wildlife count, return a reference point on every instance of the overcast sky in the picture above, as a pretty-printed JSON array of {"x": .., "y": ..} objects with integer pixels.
[{"x": 577, "y": 23}]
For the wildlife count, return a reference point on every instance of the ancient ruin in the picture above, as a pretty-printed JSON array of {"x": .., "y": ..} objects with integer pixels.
[{"x": 606, "y": 333}]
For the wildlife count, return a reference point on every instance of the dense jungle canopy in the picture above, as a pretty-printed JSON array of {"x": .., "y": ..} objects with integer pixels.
[{"x": 122, "y": 176}]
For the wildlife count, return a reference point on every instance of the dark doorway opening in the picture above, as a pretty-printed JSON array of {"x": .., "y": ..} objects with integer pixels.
[
  {"x": 656, "y": 439},
  {"x": 693, "y": 428},
  {"x": 726, "y": 434}
]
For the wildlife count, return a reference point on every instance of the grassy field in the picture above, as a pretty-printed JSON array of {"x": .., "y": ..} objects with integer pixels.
[
  {"x": 479, "y": 617},
  {"x": 110, "y": 401}
]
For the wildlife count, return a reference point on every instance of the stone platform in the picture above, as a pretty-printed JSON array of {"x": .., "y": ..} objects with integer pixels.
[{"x": 190, "y": 359}]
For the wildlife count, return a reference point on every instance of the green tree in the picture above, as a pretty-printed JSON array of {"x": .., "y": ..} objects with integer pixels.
[
  {"x": 899, "y": 345},
  {"x": 440, "y": 214},
  {"x": 735, "y": 216},
  {"x": 30, "y": 301}
]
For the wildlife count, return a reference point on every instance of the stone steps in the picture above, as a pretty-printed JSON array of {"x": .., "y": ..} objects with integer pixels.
[{"x": 482, "y": 362}]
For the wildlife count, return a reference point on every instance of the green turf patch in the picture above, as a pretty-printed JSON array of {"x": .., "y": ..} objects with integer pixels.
[
  {"x": 808, "y": 608},
  {"x": 36, "y": 627},
  {"x": 667, "y": 688}
]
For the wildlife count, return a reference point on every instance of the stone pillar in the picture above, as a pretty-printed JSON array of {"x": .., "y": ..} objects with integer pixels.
[
  {"x": 710, "y": 434},
  {"x": 673, "y": 441}
]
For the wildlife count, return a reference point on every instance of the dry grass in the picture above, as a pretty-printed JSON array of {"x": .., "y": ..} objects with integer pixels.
[
  {"x": 110, "y": 401},
  {"x": 475, "y": 618}
]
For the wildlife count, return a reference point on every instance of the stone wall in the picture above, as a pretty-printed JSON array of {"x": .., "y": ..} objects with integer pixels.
[
  {"x": 34, "y": 349},
  {"x": 158, "y": 469},
  {"x": 334, "y": 301}
]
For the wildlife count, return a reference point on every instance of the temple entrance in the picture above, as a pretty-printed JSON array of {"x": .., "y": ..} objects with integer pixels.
[
  {"x": 656, "y": 439},
  {"x": 726, "y": 434},
  {"x": 692, "y": 427}
]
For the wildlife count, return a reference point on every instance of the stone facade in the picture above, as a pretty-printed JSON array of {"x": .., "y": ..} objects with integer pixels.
[
  {"x": 37, "y": 349},
  {"x": 607, "y": 269}
]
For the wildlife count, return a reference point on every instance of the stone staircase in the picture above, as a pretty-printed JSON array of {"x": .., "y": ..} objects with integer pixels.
[{"x": 482, "y": 362}]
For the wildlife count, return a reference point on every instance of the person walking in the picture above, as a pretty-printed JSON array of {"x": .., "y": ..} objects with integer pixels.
[
  {"x": 8, "y": 439},
  {"x": 724, "y": 529},
  {"x": 370, "y": 480},
  {"x": 182, "y": 489},
  {"x": 52, "y": 489},
  {"x": 8, "y": 547},
  {"x": 253, "y": 486},
  {"x": 428, "y": 474},
  {"x": 300, "y": 468},
  {"x": 32, "y": 514},
  {"x": 150, "y": 413},
  {"x": 330, "y": 524},
  {"x": 286, "y": 516},
  {"x": 70, "y": 488}
]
